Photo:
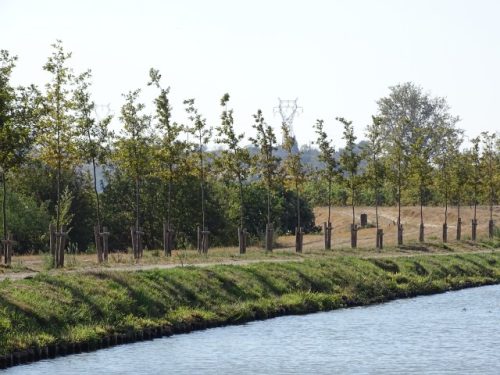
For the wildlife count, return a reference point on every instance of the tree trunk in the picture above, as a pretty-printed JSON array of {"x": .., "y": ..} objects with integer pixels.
[
  {"x": 400, "y": 226},
  {"x": 4, "y": 212},
  {"x": 352, "y": 202},
  {"x": 329, "y": 199},
  {"x": 97, "y": 232}
]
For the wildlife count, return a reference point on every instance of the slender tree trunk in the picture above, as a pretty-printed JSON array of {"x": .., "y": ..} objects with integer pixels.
[
  {"x": 268, "y": 204},
  {"x": 421, "y": 206},
  {"x": 202, "y": 172},
  {"x": 58, "y": 182},
  {"x": 298, "y": 202},
  {"x": 490, "y": 167},
  {"x": 137, "y": 203},
  {"x": 169, "y": 196},
  {"x": 97, "y": 200},
  {"x": 399, "y": 193},
  {"x": 376, "y": 189},
  {"x": 329, "y": 199},
  {"x": 242, "y": 213},
  {"x": 352, "y": 201},
  {"x": 446, "y": 205},
  {"x": 4, "y": 205}
]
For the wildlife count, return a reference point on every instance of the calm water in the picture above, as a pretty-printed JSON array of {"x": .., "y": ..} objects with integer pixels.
[{"x": 455, "y": 332}]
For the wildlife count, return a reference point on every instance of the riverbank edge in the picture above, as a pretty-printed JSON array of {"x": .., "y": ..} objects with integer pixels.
[{"x": 299, "y": 302}]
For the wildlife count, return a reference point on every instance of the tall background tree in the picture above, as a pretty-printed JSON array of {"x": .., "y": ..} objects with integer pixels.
[
  {"x": 19, "y": 111},
  {"x": 350, "y": 159},
  {"x": 328, "y": 172},
  {"x": 490, "y": 171},
  {"x": 234, "y": 160},
  {"x": 294, "y": 174},
  {"x": 202, "y": 132},
  {"x": 133, "y": 152},
  {"x": 170, "y": 152},
  {"x": 266, "y": 164},
  {"x": 375, "y": 171},
  {"x": 93, "y": 141}
]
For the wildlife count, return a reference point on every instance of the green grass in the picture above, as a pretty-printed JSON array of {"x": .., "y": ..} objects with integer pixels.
[{"x": 83, "y": 307}]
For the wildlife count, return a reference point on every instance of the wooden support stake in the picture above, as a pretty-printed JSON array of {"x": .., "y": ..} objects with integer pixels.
[
  {"x": 445, "y": 232},
  {"x": 400, "y": 234},
  {"x": 105, "y": 243},
  {"x": 52, "y": 244},
  {"x": 354, "y": 236},
  {"x": 459, "y": 229},
  {"x": 380, "y": 239},
  {"x": 7, "y": 246},
  {"x": 327, "y": 229},
  {"x": 242, "y": 240},
  {"x": 98, "y": 246},
  {"x": 421, "y": 234},
  {"x": 62, "y": 238},
  {"x": 269, "y": 237},
  {"x": 491, "y": 228},
  {"x": 204, "y": 240},
  {"x": 299, "y": 236},
  {"x": 198, "y": 239},
  {"x": 168, "y": 239},
  {"x": 134, "y": 242},
  {"x": 474, "y": 229}
]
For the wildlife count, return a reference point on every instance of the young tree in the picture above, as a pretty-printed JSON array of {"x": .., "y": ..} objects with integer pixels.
[
  {"x": 93, "y": 142},
  {"x": 350, "y": 159},
  {"x": 460, "y": 170},
  {"x": 133, "y": 153},
  {"x": 475, "y": 180},
  {"x": 420, "y": 170},
  {"x": 203, "y": 133},
  {"x": 329, "y": 172},
  {"x": 267, "y": 164},
  {"x": 56, "y": 138},
  {"x": 489, "y": 162},
  {"x": 19, "y": 111},
  {"x": 294, "y": 171},
  {"x": 170, "y": 151},
  {"x": 447, "y": 150},
  {"x": 375, "y": 170},
  {"x": 234, "y": 160}
]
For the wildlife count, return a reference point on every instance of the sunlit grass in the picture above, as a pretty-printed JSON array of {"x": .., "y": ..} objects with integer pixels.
[{"x": 86, "y": 306}]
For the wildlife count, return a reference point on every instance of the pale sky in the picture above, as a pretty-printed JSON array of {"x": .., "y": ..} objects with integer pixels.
[{"x": 336, "y": 57}]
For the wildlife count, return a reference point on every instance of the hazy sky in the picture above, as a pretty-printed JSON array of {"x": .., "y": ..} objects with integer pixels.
[{"x": 337, "y": 57}]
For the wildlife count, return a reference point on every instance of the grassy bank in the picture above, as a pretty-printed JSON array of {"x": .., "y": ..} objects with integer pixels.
[{"x": 85, "y": 308}]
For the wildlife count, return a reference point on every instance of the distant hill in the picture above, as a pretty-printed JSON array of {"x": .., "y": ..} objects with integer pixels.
[{"x": 309, "y": 159}]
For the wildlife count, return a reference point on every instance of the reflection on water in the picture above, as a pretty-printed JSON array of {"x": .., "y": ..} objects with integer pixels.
[{"x": 455, "y": 332}]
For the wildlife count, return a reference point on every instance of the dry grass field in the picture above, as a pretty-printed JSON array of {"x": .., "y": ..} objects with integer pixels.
[{"x": 23, "y": 266}]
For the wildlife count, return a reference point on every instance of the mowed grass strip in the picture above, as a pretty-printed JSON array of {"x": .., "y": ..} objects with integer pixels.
[{"x": 85, "y": 307}]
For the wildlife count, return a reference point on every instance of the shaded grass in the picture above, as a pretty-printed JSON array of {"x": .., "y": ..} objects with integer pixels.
[{"x": 82, "y": 307}]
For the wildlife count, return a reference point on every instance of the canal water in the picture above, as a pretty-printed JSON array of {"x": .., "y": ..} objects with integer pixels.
[{"x": 451, "y": 333}]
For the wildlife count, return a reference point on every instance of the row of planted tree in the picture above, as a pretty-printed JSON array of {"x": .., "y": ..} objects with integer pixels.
[{"x": 161, "y": 177}]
